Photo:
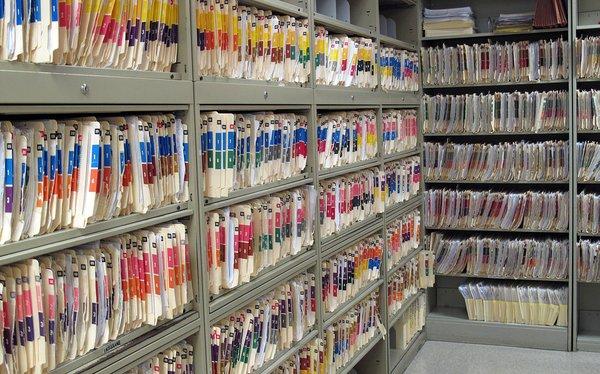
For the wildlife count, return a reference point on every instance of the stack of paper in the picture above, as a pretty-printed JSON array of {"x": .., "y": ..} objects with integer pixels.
[
  {"x": 403, "y": 235},
  {"x": 522, "y": 161},
  {"x": 244, "y": 240},
  {"x": 501, "y": 112},
  {"x": 588, "y": 266},
  {"x": 588, "y": 212},
  {"x": 399, "y": 70},
  {"x": 176, "y": 359},
  {"x": 546, "y": 211},
  {"x": 251, "y": 337},
  {"x": 236, "y": 41},
  {"x": 588, "y": 161},
  {"x": 588, "y": 110},
  {"x": 513, "y": 22},
  {"x": 250, "y": 149},
  {"x": 588, "y": 57},
  {"x": 524, "y": 61},
  {"x": 346, "y": 137},
  {"x": 527, "y": 258},
  {"x": 345, "y": 61},
  {"x": 350, "y": 199},
  {"x": 448, "y": 22},
  {"x": 346, "y": 274},
  {"x": 524, "y": 303},
  {"x": 127, "y": 34},
  {"x": 402, "y": 180},
  {"x": 68, "y": 173},
  {"x": 64, "y": 305},
  {"x": 400, "y": 130},
  {"x": 411, "y": 323}
]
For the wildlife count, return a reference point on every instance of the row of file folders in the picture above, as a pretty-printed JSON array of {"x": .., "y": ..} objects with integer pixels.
[
  {"x": 509, "y": 112},
  {"x": 338, "y": 346},
  {"x": 502, "y": 258},
  {"x": 68, "y": 173},
  {"x": 245, "y": 240},
  {"x": 529, "y": 210},
  {"x": 233, "y": 41},
  {"x": 520, "y": 61},
  {"x": 511, "y": 161},
  {"x": 241, "y": 150},
  {"x": 62, "y": 306}
]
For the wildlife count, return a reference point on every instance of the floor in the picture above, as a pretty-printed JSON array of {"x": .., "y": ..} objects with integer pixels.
[{"x": 458, "y": 358}]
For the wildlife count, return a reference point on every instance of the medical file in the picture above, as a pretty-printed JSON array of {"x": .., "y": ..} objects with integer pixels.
[
  {"x": 411, "y": 323},
  {"x": 403, "y": 284},
  {"x": 399, "y": 70},
  {"x": 403, "y": 235},
  {"x": 251, "y": 337},
  {"x": 347, "y": 273},
  {"x": 588, "y": 267},
  {"x": 241, "y": 150},
  {"x": 71, "y": 302},
  {"x": 116, "y": 34},
  {"x": 462, "y": 209},
  {"x": 345, "y": 61},
  {"x": 246, "y": 239},
  {"x": 341, "y": 342},
  {"x": 500, "y": 112},
  {"x": 237, "y": 41},
  {"x": 499, "y": 257},
  {"x": 177, "y": 359},
  {"x": 521, "y": 61},
  {"x": 510, "y": 161},
  {"x": 349, "y": 199},
  {"x": 344, "y": 138},
  {"x": 588, "y": 212},
  {"x": 400, "y": 130},
  {"x": 68, "y": 173},
  {"x": 586, "y": 55},
  {"x": 523, "y": 303},
  {"x": 402, "y": 180}
]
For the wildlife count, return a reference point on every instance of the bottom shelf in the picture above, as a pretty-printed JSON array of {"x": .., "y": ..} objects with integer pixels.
[
  {"x": 452, "y": 325},
  {"x": 588, "y": 342},
  {"x": 361, "y": 353},
  {"x": 401, "y": 359}
]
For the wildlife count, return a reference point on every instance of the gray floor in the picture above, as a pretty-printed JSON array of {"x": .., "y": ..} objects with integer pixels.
[{"x": 458, "y": 358}]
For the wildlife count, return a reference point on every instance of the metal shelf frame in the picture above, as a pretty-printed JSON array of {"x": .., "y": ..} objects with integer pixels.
[
  {"x": 70, "y": 90},
  {"x": 441, "y": 326}
]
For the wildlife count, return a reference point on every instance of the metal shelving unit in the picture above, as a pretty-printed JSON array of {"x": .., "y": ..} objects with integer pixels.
[
  {"x": 447, "y": 319},
  {"x": 585, "y": 309},
  {"x": 68, "y": 90}
]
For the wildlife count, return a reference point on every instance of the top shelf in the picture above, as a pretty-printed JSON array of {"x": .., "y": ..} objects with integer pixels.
[
  {"x": 481, "y": 35},
  {"x": 391, "y": 42},
  {"x": 279, "y": 6},
  {"x": 588, "y": 27},
  {"x": 335, "y": 25}
]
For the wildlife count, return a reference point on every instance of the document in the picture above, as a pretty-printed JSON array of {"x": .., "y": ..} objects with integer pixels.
[
  {"x": 403, "y": 235},
  {"x": 403, "y": 180}
]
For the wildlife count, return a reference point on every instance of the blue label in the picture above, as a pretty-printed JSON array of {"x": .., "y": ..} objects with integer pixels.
[
  {"x": 95, "y": 162},
  {"x": 54, "y": 10},
  {"x": 19, "y": 12},
  {"x": 8, "y": 172},
  {"x": 107, "y": 159}
]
